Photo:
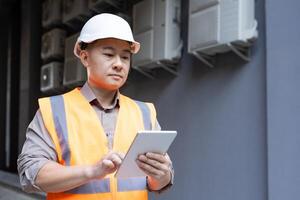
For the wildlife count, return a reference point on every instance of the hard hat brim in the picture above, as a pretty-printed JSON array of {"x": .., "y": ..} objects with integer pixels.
[{"x": 134, "y": 48}]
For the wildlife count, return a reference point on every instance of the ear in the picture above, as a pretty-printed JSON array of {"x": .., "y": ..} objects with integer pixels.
[{"x": 84, "y": 55}]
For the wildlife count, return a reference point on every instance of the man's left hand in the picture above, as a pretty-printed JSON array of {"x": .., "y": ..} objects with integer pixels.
[{"x": 157, "y": 167}]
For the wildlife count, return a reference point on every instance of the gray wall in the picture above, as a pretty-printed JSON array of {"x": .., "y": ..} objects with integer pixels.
[
  {"x": 283, "y": 86},
  {"x": 220, "y": 114}
]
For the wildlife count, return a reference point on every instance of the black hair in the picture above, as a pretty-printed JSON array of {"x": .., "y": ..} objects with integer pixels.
[{"x": 83, "y": 45}]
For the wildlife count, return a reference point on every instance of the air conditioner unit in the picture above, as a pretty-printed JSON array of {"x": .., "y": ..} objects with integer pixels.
[
  {"x": 156, "y": 25},
  {"x": 218, "y": 26},
  {"x": 53, "y": 43},
  {"x": 52, "y": 13},
  {"x": 105, "y": 5},
  {"x": 51, "y": 77},
  {"x": 74, "y": 72},
  {"x": 75, "y": 12}
]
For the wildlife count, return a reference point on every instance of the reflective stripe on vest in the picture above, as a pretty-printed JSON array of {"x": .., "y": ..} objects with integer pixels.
[
  {"x": 96, "y": 186},
  {"x": 130, "y": 184},
  {"x": 59, "y": 118},
  {"x": 146, "y": 114}
]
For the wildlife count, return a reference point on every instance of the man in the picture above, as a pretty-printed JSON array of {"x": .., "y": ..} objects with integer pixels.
[{"x": 77, "y": 140}]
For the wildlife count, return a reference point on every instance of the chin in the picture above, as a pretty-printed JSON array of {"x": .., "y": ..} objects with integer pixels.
[
  {"x": 108, "y": 86},
  {"x": 114, "y": 87}
]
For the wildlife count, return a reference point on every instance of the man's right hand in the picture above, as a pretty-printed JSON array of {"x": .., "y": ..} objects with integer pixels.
[
  {"x": 54, "y": 177},
  {"x": 107, "y": 165}
]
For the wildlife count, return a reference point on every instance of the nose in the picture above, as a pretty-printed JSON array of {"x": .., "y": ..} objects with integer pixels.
[{"x": 118, "y": 63}]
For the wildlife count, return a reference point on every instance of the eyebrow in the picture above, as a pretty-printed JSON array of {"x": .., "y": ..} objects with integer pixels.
[{"x": 113, "y": 49}]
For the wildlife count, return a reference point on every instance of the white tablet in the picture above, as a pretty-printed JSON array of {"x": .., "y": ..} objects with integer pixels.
[{"x": 144, "y": 141}]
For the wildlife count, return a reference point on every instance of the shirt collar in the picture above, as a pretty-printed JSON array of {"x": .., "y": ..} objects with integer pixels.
[{"x": 89, "y": 95}]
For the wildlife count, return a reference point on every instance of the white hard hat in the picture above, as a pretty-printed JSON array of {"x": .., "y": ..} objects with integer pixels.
[{"x": 106, "y": 25}]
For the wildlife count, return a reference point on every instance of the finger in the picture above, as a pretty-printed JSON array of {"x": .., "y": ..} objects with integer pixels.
[
  {"x": 154, "y": 163},
  {"x": 121, "y": 155},
  {"x": 158, "y": 157},
  {"x": 168, "y": 158},
  {"x": 149, "y": 170},
  {"x": 116, "y": 159},
  {"x": 108, "y": 164},
  {"x": 142, "y": 158},
  {"x": 155, "y": 176}
]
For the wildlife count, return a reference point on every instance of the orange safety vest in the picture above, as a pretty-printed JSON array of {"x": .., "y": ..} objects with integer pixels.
[{"x": 79, "y": 139}]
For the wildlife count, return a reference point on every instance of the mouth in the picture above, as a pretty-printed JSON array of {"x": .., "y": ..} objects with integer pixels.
[{"x": 118, "y": 76}]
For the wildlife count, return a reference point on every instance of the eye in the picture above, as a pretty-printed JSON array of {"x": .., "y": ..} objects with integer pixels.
[
  {"x": 108, "y": 54},
  {"x": 125, "y": 57}
]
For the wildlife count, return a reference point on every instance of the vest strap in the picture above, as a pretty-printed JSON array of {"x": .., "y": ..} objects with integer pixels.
[
  {"x": 59, "y": 118},
  {"x": 146, "y": 114}
]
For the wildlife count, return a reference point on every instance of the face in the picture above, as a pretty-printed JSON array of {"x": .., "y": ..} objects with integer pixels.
[{"x": 107, "y": 62}]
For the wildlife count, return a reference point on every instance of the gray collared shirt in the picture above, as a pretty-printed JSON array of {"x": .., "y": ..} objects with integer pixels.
[{"x": 39, "y": 148}]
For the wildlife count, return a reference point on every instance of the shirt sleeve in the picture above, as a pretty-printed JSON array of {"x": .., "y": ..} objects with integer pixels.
[
  {"x": 37, "y": 150},
  {"x": 158, "y": 128}
]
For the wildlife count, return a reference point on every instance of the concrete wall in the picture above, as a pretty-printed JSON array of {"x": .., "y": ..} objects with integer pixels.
[{"x": 220, "y": 114}]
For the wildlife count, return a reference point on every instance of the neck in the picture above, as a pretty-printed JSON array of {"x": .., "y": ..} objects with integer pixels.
[{"x": 105, "y": 97}]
